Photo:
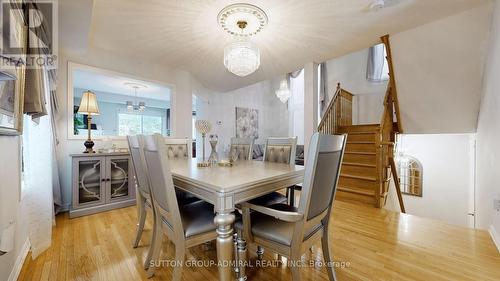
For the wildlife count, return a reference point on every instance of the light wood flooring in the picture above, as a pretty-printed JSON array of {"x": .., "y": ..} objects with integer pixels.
[{"x": 377, "y": 245}]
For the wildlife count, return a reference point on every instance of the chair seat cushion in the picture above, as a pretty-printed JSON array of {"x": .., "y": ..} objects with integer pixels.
[
  {"x": 184, "y": 198},
  {"x": 270, "y": 199},
  {"x": 273, "y": 229},
  {"x": 198, "y": 218}
]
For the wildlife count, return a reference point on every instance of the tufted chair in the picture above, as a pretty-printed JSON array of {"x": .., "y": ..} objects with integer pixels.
[
  {"x": 178, "y": 148},
  {"x": 290, "y": 231},
  {"x": 243, "y": 146},
  {"x": 280, "y": 150},
  {"x": 185, "y": 225}
]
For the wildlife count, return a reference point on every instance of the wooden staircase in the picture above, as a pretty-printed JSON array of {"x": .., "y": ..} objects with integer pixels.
[
  {"x": 369, "y": 155},
  {"x": 358, "y": 177}
]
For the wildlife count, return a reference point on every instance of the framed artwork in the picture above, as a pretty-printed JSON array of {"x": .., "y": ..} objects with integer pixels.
[
  {"x": 12, "y": 84},
  {"x": 247, "y": 123}
]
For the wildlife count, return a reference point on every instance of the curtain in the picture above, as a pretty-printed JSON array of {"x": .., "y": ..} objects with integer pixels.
[
  {"x": 38, "y": 157},
  {"x": 376, "y": 70},
  {"x": 41, "y": 84},
  {"x": 323, "y": 88}
]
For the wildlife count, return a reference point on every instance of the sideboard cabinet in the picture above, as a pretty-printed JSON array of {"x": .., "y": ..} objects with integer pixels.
[{"x": 101, "y": 182}]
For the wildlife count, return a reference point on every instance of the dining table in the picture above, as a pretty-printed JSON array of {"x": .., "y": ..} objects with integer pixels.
[{"x": 226, "y": 186}]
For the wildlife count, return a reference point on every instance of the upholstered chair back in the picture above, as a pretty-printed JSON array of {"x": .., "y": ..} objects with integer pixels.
[
  {"x": 159, "y": 175},
  {"x": 139, "y": 164},
  {"x": 242, "y": 146},
  {"x": 280, "y": 150},
  {"x": 178, "y": 148},
  {"x": 322, "y": 173}
]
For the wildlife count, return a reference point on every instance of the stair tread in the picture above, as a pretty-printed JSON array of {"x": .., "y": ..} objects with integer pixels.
[
  {"x": 362, "y": 133},
  {"x": 359, "y": 164},
  {"x": 358, "y": 177},
  {"x": 361, "y": 142},
  {"x": 360, "y": 152},
  {"x": 356, "y": 190}
]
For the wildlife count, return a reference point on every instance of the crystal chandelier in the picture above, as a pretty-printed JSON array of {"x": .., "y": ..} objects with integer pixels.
[
  {"x": 283, "y": 93},
  {"x": 242, "y": 57},
  {"x": 135, "y": 106}
]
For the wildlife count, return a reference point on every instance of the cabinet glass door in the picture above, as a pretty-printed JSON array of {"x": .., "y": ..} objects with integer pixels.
[
  {"x": 119, "y": 185},
  {"x": 89, "y": 181}
]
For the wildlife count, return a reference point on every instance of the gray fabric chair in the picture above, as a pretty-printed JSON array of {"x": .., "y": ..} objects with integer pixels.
[
  {"x": 186, "y": 226},
  {"x": 279, "y": 150},
  {"x": 143, "y": 193},
  {"x": 290, "y": 231},
  {"x": 178, "y": 148},
  {"x": 242, "y": 146}
]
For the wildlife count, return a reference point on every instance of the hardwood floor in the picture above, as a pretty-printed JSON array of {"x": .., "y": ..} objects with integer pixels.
[{"x": 377, "y": 245}]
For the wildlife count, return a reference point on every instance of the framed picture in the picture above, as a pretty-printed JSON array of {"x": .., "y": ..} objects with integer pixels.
[
  {"x": 12, "y": 84},
  {"x": 247, "y": 123}
]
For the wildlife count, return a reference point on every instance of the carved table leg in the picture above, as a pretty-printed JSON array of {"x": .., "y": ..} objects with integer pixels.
[
  {"x": 224, "y": 222},
  {"x": 242, "y": 258}
]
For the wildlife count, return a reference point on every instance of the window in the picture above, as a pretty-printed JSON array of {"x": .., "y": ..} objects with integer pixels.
[
  {"x": 133, "y": 124},
  {"x": 410, "y": 175}
]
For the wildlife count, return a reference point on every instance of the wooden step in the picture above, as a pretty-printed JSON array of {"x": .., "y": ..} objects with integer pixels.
[
  {"x": 360, "y": 128},
  {"x": 365, "y": 178},
  {"x": 360, "y": 182},
  {"x": 358, "y": 191},
  {"x": 368, "y": 158},
  {"x": 366, "y": 170},
  {"x": 346, "y": 195},
  {"x": 364, "y": 136},
  {"x": 360, "y": 147}
]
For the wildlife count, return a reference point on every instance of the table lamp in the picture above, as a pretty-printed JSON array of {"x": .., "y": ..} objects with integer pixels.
[
  {"x": 88, "y": 106},
  {"x": 203, "y": 127}
]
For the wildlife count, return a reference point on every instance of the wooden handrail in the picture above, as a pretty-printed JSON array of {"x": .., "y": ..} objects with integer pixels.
[
  {"x": 391, "y": 89},
  {"x": 338, "y": 113}
]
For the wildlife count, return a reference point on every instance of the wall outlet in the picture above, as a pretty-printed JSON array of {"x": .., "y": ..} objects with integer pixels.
[{"x": 496, "y": 204}]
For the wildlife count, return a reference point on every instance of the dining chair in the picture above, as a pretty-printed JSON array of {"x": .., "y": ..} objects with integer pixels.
[
  {"x": 243, "y": 147},
  {"x": 143, "y": 194},
  {"x": 177, "y": 149},
  {"x": 186, "y": 226},
  {"x": 277, "y": 150},
  {"x": 291, "y": 231}
]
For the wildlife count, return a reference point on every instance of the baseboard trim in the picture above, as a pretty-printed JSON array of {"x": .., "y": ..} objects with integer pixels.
[
  {"x": 495, "y": 236},
  {"x": 16, "y": 270}
]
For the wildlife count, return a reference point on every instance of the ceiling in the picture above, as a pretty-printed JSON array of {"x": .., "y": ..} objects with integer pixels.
[
  {"x": 99, "y": 82},
  {"x": 184, "y": 34}
]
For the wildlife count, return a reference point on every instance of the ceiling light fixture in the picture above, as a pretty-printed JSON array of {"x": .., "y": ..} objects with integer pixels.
[
  {"x": 283, "y": 93},
  {"x": 377, "y": 5},
  {"x": 242, "y": 57},
  {"x": 136, "y": 106}
]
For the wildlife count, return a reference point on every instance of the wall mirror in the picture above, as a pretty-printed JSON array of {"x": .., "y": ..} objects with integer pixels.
[{"x": 127, "y": 105}]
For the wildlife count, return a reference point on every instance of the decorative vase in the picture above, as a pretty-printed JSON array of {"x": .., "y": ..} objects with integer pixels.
[{"x": 213, "y": 159}]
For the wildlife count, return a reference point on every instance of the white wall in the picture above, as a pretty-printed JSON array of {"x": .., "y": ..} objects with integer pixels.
[
  {"x": 448, "y": 177},
  {"x": 439, "y": 69},
  {"x": 180, "y": 81},
  {"x": 10, "y": 201},
  {"x": 273, "y": 115},
  {"x": 350, "y": 72},
  {"x": 488, "y": 136}
]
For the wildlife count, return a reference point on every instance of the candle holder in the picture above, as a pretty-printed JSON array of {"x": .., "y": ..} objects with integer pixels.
[
  {"x": 214, "y": 157},
  {"x": 203, "y": 127}
]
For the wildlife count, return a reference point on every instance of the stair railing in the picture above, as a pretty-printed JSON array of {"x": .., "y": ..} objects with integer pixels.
[
  {"x": 390, "y": 125},
  {"x": 338, "y": 113}
]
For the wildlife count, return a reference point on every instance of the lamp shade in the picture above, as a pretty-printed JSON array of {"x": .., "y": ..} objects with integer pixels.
[{"x": 88, "y": 104}]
